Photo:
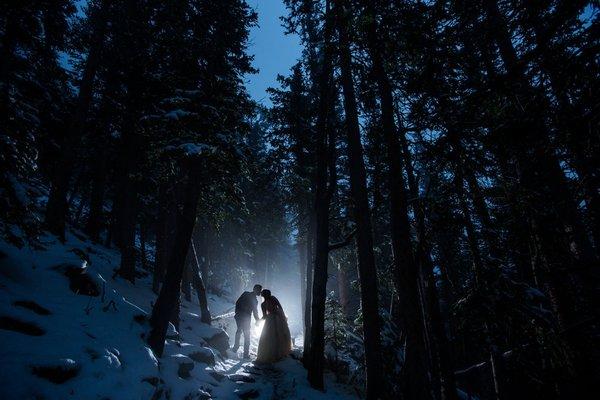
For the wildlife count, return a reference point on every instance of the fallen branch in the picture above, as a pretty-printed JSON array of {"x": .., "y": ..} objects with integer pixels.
[{"x": 228, "y": 314}]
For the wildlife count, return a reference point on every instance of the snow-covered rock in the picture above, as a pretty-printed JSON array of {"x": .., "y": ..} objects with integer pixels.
[
  {"x": 204, "y": 355},
  {"x": 185, "y": 365},
  {"x": 58, "y": 371},
  {"x": 219, "y": 340}
]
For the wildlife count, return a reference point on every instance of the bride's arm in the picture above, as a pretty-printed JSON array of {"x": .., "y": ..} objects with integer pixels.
[{"x": 263, "y": 307}]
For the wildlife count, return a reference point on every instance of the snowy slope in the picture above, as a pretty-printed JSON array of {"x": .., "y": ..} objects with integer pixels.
[{"x": 69, "y": 331}]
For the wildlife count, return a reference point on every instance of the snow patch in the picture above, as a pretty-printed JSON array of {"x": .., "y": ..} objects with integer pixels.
[{"x": 93, "y": 347}]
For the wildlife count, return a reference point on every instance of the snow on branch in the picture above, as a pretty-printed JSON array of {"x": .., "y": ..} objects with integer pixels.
[
  {"x": 191, "y": 149},
  {"x": 178, "y": 114}
]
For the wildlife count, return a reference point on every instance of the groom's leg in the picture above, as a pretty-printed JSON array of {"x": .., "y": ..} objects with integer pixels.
[
  {"x": 238, "y": 334},
  {"x": 246, "y": 328}
]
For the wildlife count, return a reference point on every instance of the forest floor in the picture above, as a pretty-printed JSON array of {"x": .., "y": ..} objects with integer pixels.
[
  {"x": 68, "y": 330},
  {"x": 283, "y": 380}
]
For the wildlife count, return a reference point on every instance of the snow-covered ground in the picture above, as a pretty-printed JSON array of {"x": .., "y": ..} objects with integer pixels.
[{"x": 70, "y": 331}]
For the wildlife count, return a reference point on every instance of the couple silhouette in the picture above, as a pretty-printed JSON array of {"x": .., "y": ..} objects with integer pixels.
[{"x": 275, "y": 340}]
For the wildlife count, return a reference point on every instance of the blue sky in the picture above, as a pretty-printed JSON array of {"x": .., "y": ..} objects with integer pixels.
[{"x": 274, "y": 51}]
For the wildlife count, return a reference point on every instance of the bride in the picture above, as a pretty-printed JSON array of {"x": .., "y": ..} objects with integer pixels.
[{"x": 275, "y": 340}]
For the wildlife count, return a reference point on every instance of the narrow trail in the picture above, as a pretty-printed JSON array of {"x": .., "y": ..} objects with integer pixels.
[
  {"x": 285, "y": 379},
  {"x": 259, "y": 381}
]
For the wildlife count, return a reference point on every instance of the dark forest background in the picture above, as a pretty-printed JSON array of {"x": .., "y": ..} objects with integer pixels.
[{"x": 428, "y": 175}]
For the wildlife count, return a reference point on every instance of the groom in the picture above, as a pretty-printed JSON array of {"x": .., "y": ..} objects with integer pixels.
[{"x": 245, "y": 306}]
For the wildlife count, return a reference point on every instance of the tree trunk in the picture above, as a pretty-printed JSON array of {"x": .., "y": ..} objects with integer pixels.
[
  {"x": 57, "y": 208},
  {"x": 301, "y": 246},
  {"x": 126, "y": 199},
  {"x": 310, "y": 260},
  {"x": 364, "y": 237},
  {"x": 170, "y": 291},
  {"x": 127, "y": 204},
  {"x": 198, "y": 284},
  {"x": 316, "y": 69},
  {"x": 161, "y": 258},
  {"x": 95, "y": 218},
  {"x": 187, "y": 277},
  {"x": 440, "y": 355},
  {"x": 176, "y": 311},
  {"x": 416, "y": 383},
  {"x": 316, "y": 327},
  {"x": 125, "y": 226},
  {"x": 481, "y": 280}
]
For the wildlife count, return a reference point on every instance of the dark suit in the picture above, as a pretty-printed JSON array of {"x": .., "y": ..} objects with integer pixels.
[{"x": 245, "y": 306}]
